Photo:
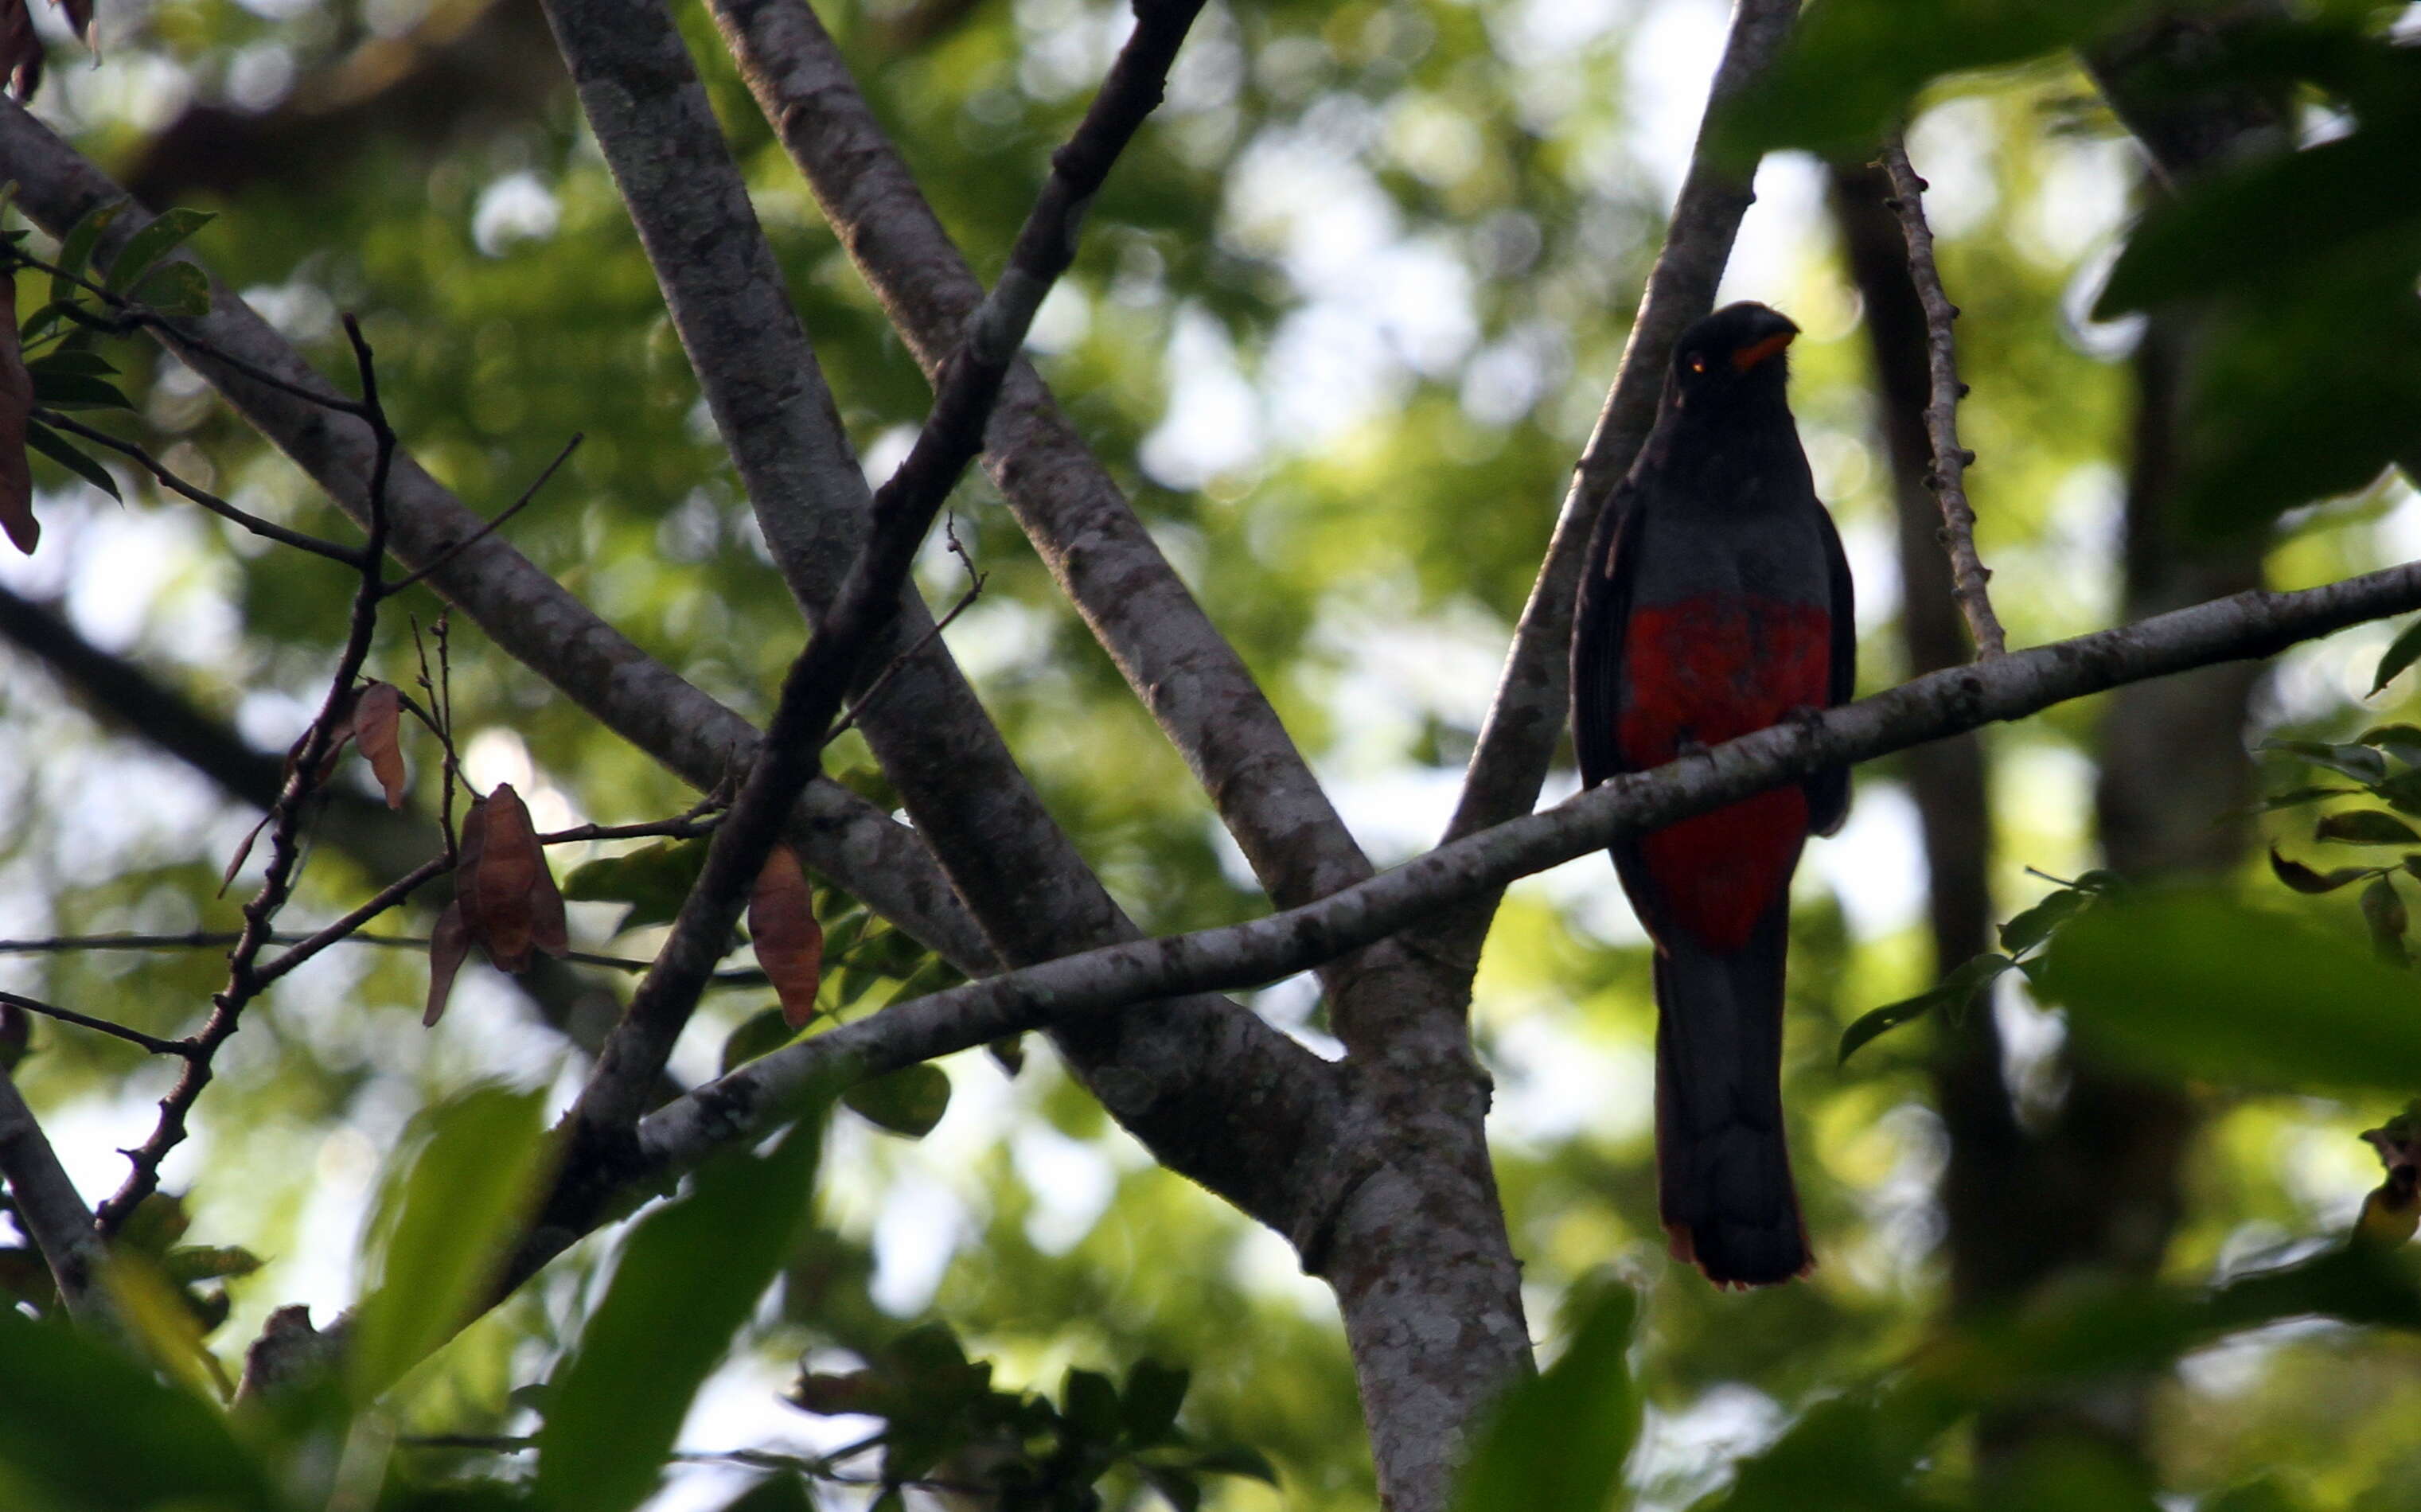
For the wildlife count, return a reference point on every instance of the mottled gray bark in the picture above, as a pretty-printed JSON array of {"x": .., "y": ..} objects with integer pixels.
[
  {"x": 1104, "y": 561},
  {"x": 1163, "y": 1075}
]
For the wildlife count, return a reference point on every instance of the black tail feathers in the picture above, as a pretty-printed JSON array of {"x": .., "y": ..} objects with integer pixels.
[{"x": 1723, "y": 1166}]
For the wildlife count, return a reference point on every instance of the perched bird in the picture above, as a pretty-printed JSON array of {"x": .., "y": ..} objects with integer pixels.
[{"x": 1716, "y": 601}]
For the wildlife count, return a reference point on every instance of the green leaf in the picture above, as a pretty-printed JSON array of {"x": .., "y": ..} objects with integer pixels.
[
  {"x": 1958, "y": 988},
  {"x": 2303, "y": 879},
  {"x": 75, "y": 248},
  {"x": 2402, "y": 741},
  {"x": 72, "y": 359},
  {"x": 2364, "y": 826},
  {"x": 57, "y": 390},
  {"x": 1091, "y": 1405},
  {"x": 2035, "y": 926},
  {"x": 687, "y": 1280},
  {"x": 2401, "y": 653},
  {"x": 42, "y": 439},
  {"x": 654, "y": 880},
  {"x": 1559, "y": 1439},
  {"x": 779, "y": 1492},
  {"x": 1853, "y": 66},
  {"x": 1876, "y": 1021},
  {"x": 2298, "y": 797},
  {"x": 2360, "y": 762},
  {"x": 190, "y": 1263},
  {"x": 2247, "y": 225},
  {"x": 153, "y": 242},
  {"x": 2198, "y": 985},
  {"x": 1177, "y": 1487},
  {"x": 2382, "y": 911},
  {"x": 908, "y": 1101},
  {"x": 1235, "y": 1459},
  {"x": 82, "y": 1426},
  {"x": 760, "y": 1034},
  {"x": 178, "y": 288},
  {"x": 443, "y": 1226},
  {"x": 1150, "y": 1403}
]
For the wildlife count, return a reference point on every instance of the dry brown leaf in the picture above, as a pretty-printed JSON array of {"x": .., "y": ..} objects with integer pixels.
[
  {"x": 235, "y": 862},
  {"x": 16, "y": 384},
  {"x": 511, "y": 904},
  {"x": 79, "y": 14},
  {"x": 789, "y": 942},
  {"x": 376, "y": 725},
  {"x": 20, "y": 51},
  {"x": 448, "y": 943}
]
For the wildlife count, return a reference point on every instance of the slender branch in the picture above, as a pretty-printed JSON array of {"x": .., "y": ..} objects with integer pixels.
[
  {"x": 502, "y": 516},
  {"x": 870, "y": 596},
  {"x": 1527, "y": 720},
  {"x": 133, "y": 1037},
  {"x": 49, "y": 1208},
  {"x": 245, "y": 977},
  {"x": 883, "y": 680},
  {"x": 319, "y": 939},
  {"x": 2246, "y": 626},
  {"x": 69, "y": 945},
  {"x": 266, "y": 529},
  {"x": 1192, "y": 680},
  {"x": 1968, "y": 573}
]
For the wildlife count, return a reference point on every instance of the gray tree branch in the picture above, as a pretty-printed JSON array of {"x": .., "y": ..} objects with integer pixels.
[
  {"x": 48, "y": 1206},
  {"x": 2244, "y": 626},
  {"x": 1172, "y": 1077},
  {"x": 870, "y": 593},
  {"x": 1105, "y": 562}
]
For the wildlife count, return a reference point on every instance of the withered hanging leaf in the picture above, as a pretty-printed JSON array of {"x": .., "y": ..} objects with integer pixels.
[
  {"x": 789, "y": 943},
  {"x": 448, "y": 943},
  {"x": 510, "y": 903},
  {"x": 16, "y": 402},
  {"x": 2303, "y": 879},
  {"x": 235, "y": 862},
  {"x": 377, "y": 721},
  {"x": 20, "y": 51},
  {"x": 79, "y": 14}
]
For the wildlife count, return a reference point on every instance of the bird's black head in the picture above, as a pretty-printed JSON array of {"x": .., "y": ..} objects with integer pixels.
[{"x": 1733, "y": 354}]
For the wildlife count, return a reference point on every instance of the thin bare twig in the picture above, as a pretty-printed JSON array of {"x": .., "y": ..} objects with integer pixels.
[
  {"x": 246, "y": 978},
  {"x": 267, "y": 530},
  {"x": 133, "y": 1037},
  {"x": 70, "y": 944},
  {"x": 974, "y": 591},
  {"x": 1968, "y": 573},
  {"x": 491, "y": 526}
]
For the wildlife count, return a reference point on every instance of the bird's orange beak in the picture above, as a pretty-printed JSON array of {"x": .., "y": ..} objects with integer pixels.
[{"x": 1756, "y": 351}]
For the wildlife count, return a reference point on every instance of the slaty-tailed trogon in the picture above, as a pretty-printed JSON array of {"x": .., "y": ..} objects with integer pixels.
[{"x": 1716, "y": 601}]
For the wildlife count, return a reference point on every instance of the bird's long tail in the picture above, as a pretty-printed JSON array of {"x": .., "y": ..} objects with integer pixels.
[{"x": 1722, "y": 1167}]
